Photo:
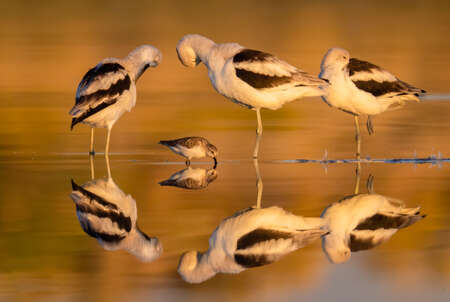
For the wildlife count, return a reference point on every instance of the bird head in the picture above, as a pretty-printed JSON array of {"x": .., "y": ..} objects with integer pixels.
[
  {"x": 192, "y": 48},
  {"x": 335, "y": 249},
  {"x": 211, "y": 175},
  {"x": 145, "y": 248},
  {"x": 194, "y": 267},
  {"x": 335, "y": 57}
]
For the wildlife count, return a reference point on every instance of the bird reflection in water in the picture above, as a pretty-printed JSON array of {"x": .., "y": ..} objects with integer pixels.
[
  {"x": 191, "y": 178},
  {"x": 106, "y": 213},
  {"x": 251, "y": 237},
  {"x": 363, "y": 221}
]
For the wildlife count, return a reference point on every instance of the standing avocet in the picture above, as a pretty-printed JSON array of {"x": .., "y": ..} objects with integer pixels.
[
  {"x": 251, "y": 78},
  {"x": 359, "y": 87},
  {"x": 109, "y": 90}
]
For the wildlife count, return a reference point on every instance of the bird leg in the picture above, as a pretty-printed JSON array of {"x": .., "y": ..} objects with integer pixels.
[
  {"x": 369, "y": 125},
  {"x": 259, "y": 183},
  {"x": 188, "y": 162},
  {"x": 259, "y": 132},
  {"x": 370, "y": 184},
  {"x": 358, "y": 139},
  {"x": 91, "y": 162},
  {"x": 357, "y": 177},
  {"x": 108, "y": 168},
  {"x": 91, "y": 148},
  {"x": 107, "y": 142}
]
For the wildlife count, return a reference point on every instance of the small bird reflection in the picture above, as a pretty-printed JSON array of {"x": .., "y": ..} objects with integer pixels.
[
  {"x": 364, "y": 221},
  {"x": 251, "y": 237},
  {"x": 191, "y": 178},
  {"x": 106, "y": 213}
]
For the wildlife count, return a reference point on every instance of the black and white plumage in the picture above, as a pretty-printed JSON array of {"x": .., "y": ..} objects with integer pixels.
[
  {"x": 108, "y": 90},
  {"x": 191, "y": 178},
  {"x": 363, "y": 221},
  {"x": 251, "y": 78},
  {"x": 192, "y": 147},
  {"x": 106, "y": 213},
  {"x": 362, "y": 88},
  {"x": 250, "y": 238}
]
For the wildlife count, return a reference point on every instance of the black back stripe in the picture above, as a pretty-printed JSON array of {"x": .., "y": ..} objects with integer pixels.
[
  {"x": 260, "y": 235},
  {"x": 260, "y": 81},
  {"x": 359, "y": 244},
  {"x": 111, "y": 238},
  {"x": 92, "y": 111},
  {"x": 93, "y": 196},
  {"x": 97, "y": 72},
  {"x": 356, "y": 65},
  {"x": 115, "y": 89},
  {"x": 379, "y": 221},
  {"x": 377, "y": 88},
  {"x": 251, "y": 260},
  {"x": 123, "y": 222},
  {"x": 250, "y": 55}
]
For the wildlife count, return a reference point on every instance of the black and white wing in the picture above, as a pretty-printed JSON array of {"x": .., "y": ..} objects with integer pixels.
[
  {"x": 379, "y": 228},
  {"x": 379, "y": 82},
  {"x": 261, "y": 70},
  {"x": 264, "y": 246},
  {"x": 100, "y": 218},
  {"x": 100, "y": 87}
]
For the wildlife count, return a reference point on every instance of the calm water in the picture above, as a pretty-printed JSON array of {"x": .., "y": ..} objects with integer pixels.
[{"x": 46, "y": 49}]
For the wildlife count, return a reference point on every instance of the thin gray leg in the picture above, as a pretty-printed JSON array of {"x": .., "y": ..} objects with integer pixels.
[
  {"x": 369, "y": 125},
  {"x": 259, "y": 132},
  {"x": 358, "y": 139},
  {"x": 91, "y": 148},
  {"x": 259, "y": 183}
]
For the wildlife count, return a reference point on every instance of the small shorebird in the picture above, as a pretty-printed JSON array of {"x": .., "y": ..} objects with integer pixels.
[
  {"x": 106, "y": 213},
  {"x": 359, "y": 87},
  {"x": 191, "y": 178},
  {"x": 192, "y": 147},
  {"x": 251, "y": 78},
  {"x": 363, "y": 221},
  {"x": 109, "y": 90},
  {"x": 250, "y": 238}
]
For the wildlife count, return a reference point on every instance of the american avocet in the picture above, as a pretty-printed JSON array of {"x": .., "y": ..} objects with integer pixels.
[
  {"x": 191, "y": 178},
  {"x": 250, "y": 238},
  {"x": 106, "y": 213},
  {"x": 251, "y": 78},
  {"x": 359, "y": 87},
  {"x": 363, "y": 221},
  {"x": 192, "y": 147},
  {"x": 109, "y": 90}
]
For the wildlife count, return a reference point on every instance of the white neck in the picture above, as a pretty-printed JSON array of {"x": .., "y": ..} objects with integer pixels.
[
  {"x": 202, "y": 46},
  {"x": 133, "y": 66}
]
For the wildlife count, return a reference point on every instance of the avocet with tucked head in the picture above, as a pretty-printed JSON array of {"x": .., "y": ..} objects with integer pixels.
[
  {"x": 109, "y": 90},
  {"x": 359, "y": 87},
  {"x": 251, "y": 78},
  {"x": 364, "y": 221},
  {"x": 250, "y": 238}
]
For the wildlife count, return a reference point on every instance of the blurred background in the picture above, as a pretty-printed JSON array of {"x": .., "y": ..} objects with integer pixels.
[{"x": 46, "y": 48}]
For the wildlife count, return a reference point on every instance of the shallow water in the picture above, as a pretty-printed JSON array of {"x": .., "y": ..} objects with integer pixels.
[{"x": 306, "y": 156}]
